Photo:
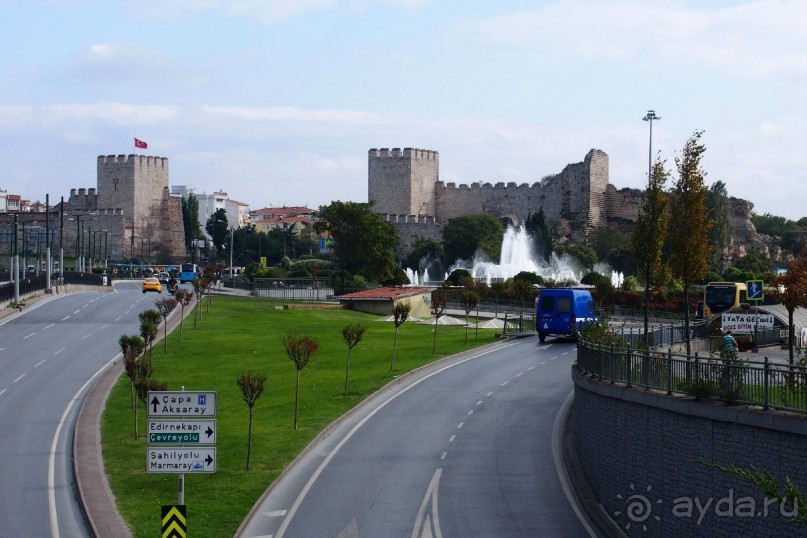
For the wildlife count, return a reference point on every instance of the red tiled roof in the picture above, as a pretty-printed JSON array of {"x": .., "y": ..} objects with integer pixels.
[{"x": 380, "y": 294}]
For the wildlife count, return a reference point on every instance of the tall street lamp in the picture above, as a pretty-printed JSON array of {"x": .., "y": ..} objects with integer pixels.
[{"x": 649, "y": 117}]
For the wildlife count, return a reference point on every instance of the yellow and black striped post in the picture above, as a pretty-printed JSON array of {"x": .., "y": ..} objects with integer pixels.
[{"x": 174, "y": 521}]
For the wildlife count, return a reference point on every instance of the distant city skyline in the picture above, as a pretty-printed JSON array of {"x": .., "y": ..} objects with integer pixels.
[{"x": 277, "y": 103}]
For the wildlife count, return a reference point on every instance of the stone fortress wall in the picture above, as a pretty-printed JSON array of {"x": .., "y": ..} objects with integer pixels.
[
  {"x": 132, "y": 204},
  {"x": 406, "y": 189}
]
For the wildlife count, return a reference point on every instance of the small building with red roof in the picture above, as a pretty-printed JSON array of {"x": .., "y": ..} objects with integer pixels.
[{"x": 382, "y": 301}]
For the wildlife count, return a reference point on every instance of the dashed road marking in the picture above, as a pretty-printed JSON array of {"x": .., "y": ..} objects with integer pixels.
[
  {"x": 39, "y": 363},
  {"x": 23, "y": 375}
]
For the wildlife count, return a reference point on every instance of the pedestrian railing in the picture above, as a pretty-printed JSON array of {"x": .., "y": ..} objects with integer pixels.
[{"x": 766, "y": 384}]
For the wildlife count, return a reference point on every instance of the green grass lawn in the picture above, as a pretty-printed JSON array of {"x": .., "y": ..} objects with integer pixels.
[{"x": 240, "y": 334}]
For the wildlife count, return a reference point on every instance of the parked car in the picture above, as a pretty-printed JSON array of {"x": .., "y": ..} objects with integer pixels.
[
  {"x": 152, "y": 284},
  {"x": 562, "y": 311}
]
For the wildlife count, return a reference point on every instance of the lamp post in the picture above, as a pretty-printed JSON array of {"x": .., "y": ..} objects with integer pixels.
[
  {"x": 649, "y": 117},
  {"x": 61, "y": 242},
  {"x": 232, "y": 238}
]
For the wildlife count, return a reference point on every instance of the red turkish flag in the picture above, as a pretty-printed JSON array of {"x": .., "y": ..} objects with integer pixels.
[{"x": 140, "y": 144}]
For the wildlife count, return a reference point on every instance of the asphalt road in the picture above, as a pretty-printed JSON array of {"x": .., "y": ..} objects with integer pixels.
[
  {"x": 49, "y": 356},
  {"x": 461, "y": 448}
]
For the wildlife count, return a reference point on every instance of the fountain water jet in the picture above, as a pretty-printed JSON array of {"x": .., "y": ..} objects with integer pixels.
[{"x": 517, "y": 255}]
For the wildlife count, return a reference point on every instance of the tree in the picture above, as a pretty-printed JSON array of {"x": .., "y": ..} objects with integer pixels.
[
  {"x": 795, "y": 293},
  {"x": 149, "y": 323},
  {"x": 252, "y": 386},
  {"x": 184, "y": 298},
  {"x": 468, "y": 299},
  {"x": 457, "y": 276},
  {"x": 132, "y": 347},
  {"x": 190, "y": 220},
  {"x": 649, "y": 234},
  {"x": 299, "y": 350},
  {"x": 586, "y": 256},
  {"x": 400, "y": 313},
  {"x": 217, "y": 228},
  {"x": 425, "y": 254},
  {"x": 543, "y": 234},
  {"x": 165, "y": 306},
  {"x": 717, "y": 203},
  {"x": 689, "y": 222},
  {"x": 439, "y": 299},
  {"x": 464, "y": 235},
  {"x": 364, "y": 243},
  {"x": 351, "y": 335}
]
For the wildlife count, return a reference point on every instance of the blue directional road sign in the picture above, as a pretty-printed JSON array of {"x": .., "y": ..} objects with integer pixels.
[{"x": 755, "y": 292}]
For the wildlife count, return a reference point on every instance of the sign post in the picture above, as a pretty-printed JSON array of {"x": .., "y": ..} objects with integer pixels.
[
  {"x": 181, "y": 437},
  {"x": 755, "y": 293}
]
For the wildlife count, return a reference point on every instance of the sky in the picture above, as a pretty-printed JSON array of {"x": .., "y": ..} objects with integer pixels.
[{"x": 277, "y": 102}]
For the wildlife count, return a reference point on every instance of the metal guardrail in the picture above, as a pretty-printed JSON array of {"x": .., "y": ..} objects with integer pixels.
[{"x": 764, "y": 383}]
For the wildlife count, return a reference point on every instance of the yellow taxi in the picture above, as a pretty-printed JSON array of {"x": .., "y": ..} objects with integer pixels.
[{"x": 152, "y": 284}]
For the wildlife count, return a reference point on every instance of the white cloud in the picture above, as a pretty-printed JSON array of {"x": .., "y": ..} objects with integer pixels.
[
  {"x": 753, "y": 39},
  {"x": 133, "y": 63}
]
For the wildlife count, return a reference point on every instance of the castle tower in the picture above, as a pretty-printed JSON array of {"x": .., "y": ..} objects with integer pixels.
[
  {"x": 135, "y": 187},
  {"x": 403, "y": 182},
  {"x": 133, "y": 183}
]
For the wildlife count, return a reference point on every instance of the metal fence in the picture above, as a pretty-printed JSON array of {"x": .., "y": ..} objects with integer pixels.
[{"x": 767, "y": 384}]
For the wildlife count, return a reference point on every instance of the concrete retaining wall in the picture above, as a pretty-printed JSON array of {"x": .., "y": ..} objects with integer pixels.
[{"x": 640, "y": 452}]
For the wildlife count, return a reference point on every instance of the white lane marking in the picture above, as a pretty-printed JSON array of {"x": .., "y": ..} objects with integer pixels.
[
  {"x": 86, "y": 336},
  {"x": 553, "y": 358},
  {"x": 54, "y": 523},
  {"x": 276, "y": 513},
  {"x": 77, "y": 311},
  {"x": 2, "y": 348},
  {"x": 426, "y": 527},
  {"x": 531, "y": 368},
  {"x": 118, "y": 318},
  {"x": 2, "y": 392},
  {"x": 543, "y": 363},
  {"x": 460, "y": 425},
  {"x": 489, "y": 394},
  {"x": 57, "y": 352},
  {"x": 40, "y": 363},
  {"x": 104, "y": 326},
  {"x": 471, "y": 412},
  {"x": 299, "y": 500},
  {"x": 48, "y": 326},
  {"x": 29, "y": 336},
  {"x": 560, "y": 466},
  {"x": 565, "y": 353},
  {"x": 23, "y": 375},
  {"x": 442, "y": 456},
  {"x": 479, "y": 402},
  {"x": 64, "y": 318},
  {"x": 519, "y": 374},
  {"x": 503, "y": 384},
  {"x": 451, "y": 439}
]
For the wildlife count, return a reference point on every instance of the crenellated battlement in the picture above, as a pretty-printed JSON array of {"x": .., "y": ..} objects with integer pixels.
[
  {"x": 133, "y": 160},
  {"x": 407, "y": 153},
  {"x": 479, "y": 186}
]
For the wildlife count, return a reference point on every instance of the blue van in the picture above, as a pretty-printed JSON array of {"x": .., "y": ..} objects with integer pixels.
[{"x": 562, "y": 311}]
